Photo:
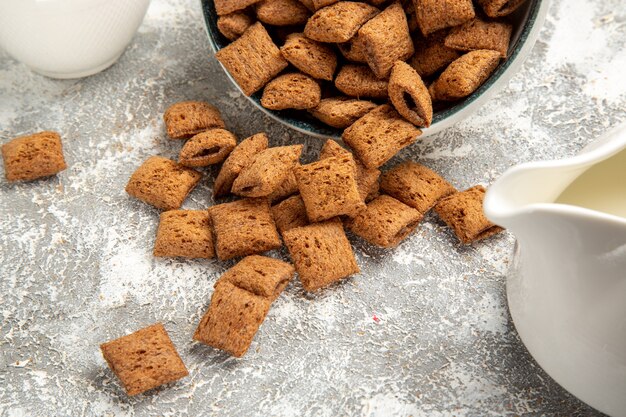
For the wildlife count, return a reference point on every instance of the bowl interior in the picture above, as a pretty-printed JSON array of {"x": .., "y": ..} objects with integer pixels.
[{"x": 523, "y": 19}]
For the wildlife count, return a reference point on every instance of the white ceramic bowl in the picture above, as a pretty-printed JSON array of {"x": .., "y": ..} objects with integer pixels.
[
  {"x": 69, "y": 38},
  {"x": 528, "y": 21}
]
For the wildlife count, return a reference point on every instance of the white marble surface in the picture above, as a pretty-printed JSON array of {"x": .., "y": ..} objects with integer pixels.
[{"x": 423, "y": 330}]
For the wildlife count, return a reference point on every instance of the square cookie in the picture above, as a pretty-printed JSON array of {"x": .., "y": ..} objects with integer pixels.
[
  {"x": 376, "y": 137},
  {"x": 243, "y": 227},
  {"x": 162, "y": 183},
  {"x": 188, "y": 118},
  {"x": 268, "y": 171},
  {"x": 233, "y": 319},
  {"x": 385, "y": 222},
  {"x": 34, "y": 156},
  {"x": 260, "y": 275},
  {"x": 185, "y": 233},
  {"x": 253, "y": 59},
  {"x": 241, "y": 157},
  {"x": 321, "y": 253},
  {"x": 416, "y": 185},
  {"x": 240, "y": 302},
  {"x": 290, "y": 214},
  {"x": 463, "y": 212},
  {"x": 387, "y": 40},
  {"x": 144, "y": 360},
  {"x": 329, "y": 188}
]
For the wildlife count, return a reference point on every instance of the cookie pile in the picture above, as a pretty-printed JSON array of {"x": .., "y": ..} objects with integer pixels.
[
  {"x": 338, "y": 60},
  {"x": 308, "y": 207}
]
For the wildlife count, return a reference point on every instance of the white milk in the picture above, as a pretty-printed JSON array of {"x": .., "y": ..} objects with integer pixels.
[{"x": 602, "y": 187}]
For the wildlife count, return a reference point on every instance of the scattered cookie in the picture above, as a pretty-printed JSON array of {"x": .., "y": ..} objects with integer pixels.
[
  {"x": 386, "y": 38},
  {"x": 253, "y": 59},
  {"x": 27, "y": 158},
  {"x": 464, "y": 75},
  {"x": 243, "y": 227},
  {"x": 290, "y": 214},
  {"x": 339, "y": 22},
  {"x": 415, "y": 185},
  {"x": 341, "y": 112},
  {"x": 385, "y": 222},
  {"x": 184, "y": 233},
  {"x": 291, "y": 91},
  {"x": 144, "y": 360},
  {"x": 479, "y": 34},
  {"x": 287, "y": 188},
  {"x": 433, "y": 15},
  {"x": 321, "y": 253},
  {"x": 162, "y": 183},
  {"x": 409, "y": 95},
  {"x": 463, "y": 212},
  {"x": 233, "y": 25},
  {"x": 268, "y": 170},
  {"x": 431, "y": 54},
  {"x": 207, "y": 148},
  {"x": 359, "y": 81},
  {"x": 240, "y": 302},
  {"x": 282, "y": 12},
  {"x": 376, "y": 137},
  {"x": 188, "y": 118},
  {"x": 328, "y": 188},
  {"x": 239, "y": 158},
  {"x": 499, "y": 8},
  {"x": 366, "y": 178},
  {"x": 313, "y": 58}
]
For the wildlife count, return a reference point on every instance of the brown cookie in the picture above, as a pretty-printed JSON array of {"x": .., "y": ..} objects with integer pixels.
[
  {"x": 431, "y": 54},
  {"x": 359, "y": 81},
  {"x": 387, "y": 39},
  {"x": 376, "y": 137},
  {"x": 341, "y": 112},
  {"x": 479, "y": 34},
  {"x": 268, "y": 170},
  {"x": 282, "y": 12},
  {"x": 243, "y": 227},
  {"x": 253, "y": 59},
  {"x": 385, "y": 222},
  {"x": 188, "y": 118},
  {"x": 34, "y": 156},
  {"x": 233, "y": 25},
  {"x": 339, "y": 22},
  {"x": 499, "y": 8},
  {"x": 409, "y": 95},
  {"x": 226, "y": 7},
  {"x": 290, "y": 214},
  {"x": 287, "y": 188},
  {"x": 463, "y": 212},
  {"x": 464, "y": 75},
  {"x": 416, "y": 185},
  {"x": 321, "y": 253},
  {"x": 329, "y": 188},
  {"x": 260, "y": 275},
  {"x": 291, "y": 91},
  {"x": 185, "y": 233},
  {"x": 313, "y": 58},
  {"x": 366, "y": 178},
  {"x": 239, "y": 158},
  {"x": 433, "y": 15},
  {"x": 233, "y": 319},
  {"x": 354, "y": 49},
  {"x": 144, "y": 360},
  {"x": 162, "y": 183},
  {"x": 207, "y": 148}
]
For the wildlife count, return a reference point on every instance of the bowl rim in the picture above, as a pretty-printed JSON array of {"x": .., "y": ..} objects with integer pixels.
[{"x": 518, "y": 53}]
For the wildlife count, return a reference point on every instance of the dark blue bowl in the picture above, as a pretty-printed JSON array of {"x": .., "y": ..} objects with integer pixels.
[{"x": 527, "y": 21}]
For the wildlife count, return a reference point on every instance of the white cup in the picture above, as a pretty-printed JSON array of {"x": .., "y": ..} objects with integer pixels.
[{"x": 69, "y": 38}]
